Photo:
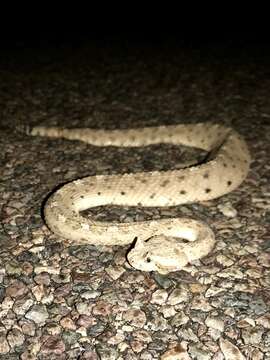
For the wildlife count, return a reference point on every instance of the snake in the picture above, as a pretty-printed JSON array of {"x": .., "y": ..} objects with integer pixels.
[{"x": 162, "y": 245}]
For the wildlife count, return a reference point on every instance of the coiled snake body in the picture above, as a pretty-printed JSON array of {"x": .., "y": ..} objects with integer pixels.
[{"x": 161, "y": 244}]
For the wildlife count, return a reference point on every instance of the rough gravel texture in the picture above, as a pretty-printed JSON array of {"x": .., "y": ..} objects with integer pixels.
[{"x": 84, "y": 302}]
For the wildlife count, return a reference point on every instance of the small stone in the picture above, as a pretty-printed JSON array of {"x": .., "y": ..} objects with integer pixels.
[
  {"x": 135, "y": 317},
  {"x": 227, "y": 210},
  {"x": 197, "y": 352},
  {"x": 53, "y": 329},
  {"x": 67, "y": 323},
  {"x": 252, "y": 335},
  {"x": 7, "y": 303},
  {"x": 213, "y": 291},
  {"x": 89, "y": 355},
  {"x": 145, "y": 355},
  {"x": 117, "y": 338},
  {"x": 38, "y": 314},
  {"x": 86, "y": 321},
  {"x": 232, "y": 273},
  {"x": 53, "y": 345},
  {"x": 47, "y": 269},
  {"x": 83, "y": 308},
  {"x": 102, "y": 308},
  {"x": 38, "y": 292},
  {"x": 159, "y": 297},
  {"x": 142, "y": 335},
  {"x": 4, "y": 346},
  {"x": 224, "y": 260},
  {"x": 176, "y": 353},
  {"x": 230, "y": 351},
  {"x": 200, "y": 303},
  {"x": 26, "y": 355},
  {"x": 27, "y": 268},
  {"x": 115, "y": 271},
  {"x": 42, "y": 279},
  {"x": 179, "y": 319},
  {"x": 90, "y": 294},
  {"x": 97, "y": 329},
  {"x": 255, "y": 273},
  {"x": 264, "y": 320},
  {"x": 70, "y": 337},
  {"x": 246, "y": 322},
  {"x": 197, "y": 288},
  {"x": 13, "y": 268},
  {"x": 168, "y": 311},
  {"x": 137, "y": 346},
  {"x": 15, "y": 337},
  {"x": 215, "y": 323},
  {"x": 16, "y": 289},
  {"x": 27, "y": 327},
  {"x": 178, "y": 296}
]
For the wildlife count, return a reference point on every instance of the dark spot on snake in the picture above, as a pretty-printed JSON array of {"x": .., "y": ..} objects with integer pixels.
[
  {"x": 82, "y": 196},
  {"x": 148, "y": 259},
  {"x": 181, "y": 177},
  {"x": 225, "y": 165},
  {"x": 229, "y": 183},
  {"x": 164, "y": 183},
  {"x": 206, "y": 175},
  {"x": 207, "y": 190},
  {"x": 183, "y": 192},
  {"x": 152, "y": 196},
  {"x": 99, "y": 193},
  {"x": 123, "y": 193}
]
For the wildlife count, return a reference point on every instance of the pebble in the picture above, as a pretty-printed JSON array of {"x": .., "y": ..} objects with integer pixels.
[
  {"x": 28, "y": 327},
  {"x": 177, "y": 296},
  {"x": 168, "y": 311},
  {"x": 115, "y": 271},
  {"x": 252, "y": 335},
  {"x": 264, "y": 320},
  {"x": 15, "y": 338},
  {"x": 227, "y": 210},
  {"x": 179, "y": 319},
  {"x": 159, "y": 297},
  {"x": 4, "y": 346},
  {"x": 135, "y": 317},
  {"x": 67, "y": 323},
  {"x": 102, "y": 308},
  {"x": 53, "y": 345},
  {"x": 16, "y": 289},
  {"x": 197, "y": 352},
  {"x": 215, "y": 323},
  {"x": 83, "y": 308},
  {"x": 38, "y": 313},
  {"x": 176, "y": 353},
  {"x": 230, "y": 351}
]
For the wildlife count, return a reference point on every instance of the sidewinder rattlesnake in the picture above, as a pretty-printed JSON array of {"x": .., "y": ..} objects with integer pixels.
[{"x": 162, "y": 245}]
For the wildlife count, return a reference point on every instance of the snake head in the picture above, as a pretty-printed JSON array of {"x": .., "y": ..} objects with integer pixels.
[{"x": 157, "y": 254}]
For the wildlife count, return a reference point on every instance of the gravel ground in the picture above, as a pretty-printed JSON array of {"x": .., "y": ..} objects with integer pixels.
[{"x": 61, "y": 301}]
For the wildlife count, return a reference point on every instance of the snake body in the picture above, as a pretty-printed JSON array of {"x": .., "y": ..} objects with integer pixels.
[{"x": 224, "y": 169}]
